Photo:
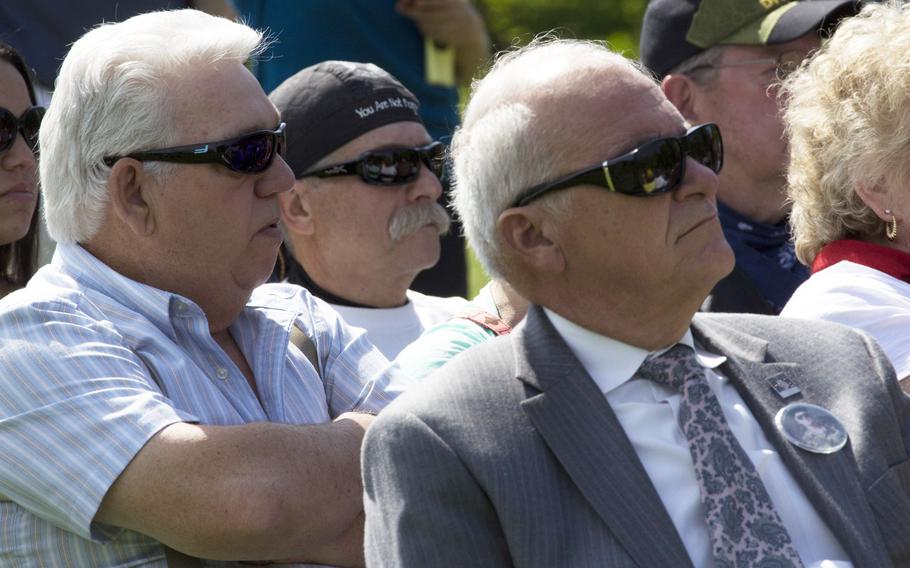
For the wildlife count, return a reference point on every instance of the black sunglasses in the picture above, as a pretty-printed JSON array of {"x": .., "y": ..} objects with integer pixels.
[
  {"x": 653, "y": 168},
  {"x": 28, "y": 124},
  {"x": 389, "y": 166},
  {"x": 247, "y": 154}
]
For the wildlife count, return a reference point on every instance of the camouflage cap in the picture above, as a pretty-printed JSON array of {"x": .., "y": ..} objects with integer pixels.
[{"x": 675, "y": 30}]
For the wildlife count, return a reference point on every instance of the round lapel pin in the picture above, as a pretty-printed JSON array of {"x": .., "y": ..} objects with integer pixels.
[{"x": 811, "y": 428}]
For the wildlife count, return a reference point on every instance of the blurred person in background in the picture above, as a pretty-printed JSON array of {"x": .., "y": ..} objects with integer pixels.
[
  {"x": 20, "y": 118},
  {"x": 849, "y": 179},
  {"x": 43, "y": 30},
  {"x": 719, "y": 61}
]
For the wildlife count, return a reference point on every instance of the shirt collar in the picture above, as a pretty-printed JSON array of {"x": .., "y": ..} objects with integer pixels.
[
  {"x": 610, "y": 362},
  {"x": 158, "y": 306},
  {"x": 889, "y": 260}
]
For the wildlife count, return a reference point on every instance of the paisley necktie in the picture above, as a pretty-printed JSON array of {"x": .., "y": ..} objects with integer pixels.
[{"x": 745, "y": 529}]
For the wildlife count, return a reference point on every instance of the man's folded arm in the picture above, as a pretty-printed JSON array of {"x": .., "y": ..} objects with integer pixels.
[{"x": 257, "y": 491}]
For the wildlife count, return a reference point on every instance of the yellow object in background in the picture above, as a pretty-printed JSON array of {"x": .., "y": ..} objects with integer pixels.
[{"x": 439, "y": 63}]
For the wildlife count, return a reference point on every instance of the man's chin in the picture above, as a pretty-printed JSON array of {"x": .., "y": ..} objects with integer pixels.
[
  {"x": 426, "y": 257},
  {"x": 723, "y": 261},
  {"x": 258, "y": 271}
]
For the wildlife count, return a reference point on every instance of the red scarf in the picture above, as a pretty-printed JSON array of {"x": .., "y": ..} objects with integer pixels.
[{"x": 884, "y": 259}]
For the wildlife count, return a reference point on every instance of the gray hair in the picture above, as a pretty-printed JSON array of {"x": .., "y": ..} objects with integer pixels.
[
  {"x": 503, "y": 147},
  {"x": 846, "y": 117},
  {"x": 113, "y": 97}
]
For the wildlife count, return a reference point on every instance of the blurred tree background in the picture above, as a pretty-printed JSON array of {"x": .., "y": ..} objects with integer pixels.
[{"x": 516, "y": 22}]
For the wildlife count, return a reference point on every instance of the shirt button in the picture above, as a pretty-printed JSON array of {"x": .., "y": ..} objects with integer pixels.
[
  {"x": 181, "y": 307},
  {"x": 221, "y": 373}
]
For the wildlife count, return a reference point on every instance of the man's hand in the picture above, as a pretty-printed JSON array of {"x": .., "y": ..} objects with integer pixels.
[{"x": 454, "y": 23}]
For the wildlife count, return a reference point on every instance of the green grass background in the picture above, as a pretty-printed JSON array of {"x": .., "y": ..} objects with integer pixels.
[{"x": 477, "y": 276}]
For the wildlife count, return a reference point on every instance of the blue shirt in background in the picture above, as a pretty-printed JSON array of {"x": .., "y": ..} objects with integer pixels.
[{"x": 369, "y": 31}]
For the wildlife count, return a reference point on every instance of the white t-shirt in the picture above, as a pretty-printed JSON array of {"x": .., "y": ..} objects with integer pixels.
[
  {"x": 861, "y": 297},
  {"x": 392, "y": 329}
]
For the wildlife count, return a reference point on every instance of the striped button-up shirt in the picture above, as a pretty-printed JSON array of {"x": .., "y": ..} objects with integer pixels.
[{"x": 93, "y": 364}]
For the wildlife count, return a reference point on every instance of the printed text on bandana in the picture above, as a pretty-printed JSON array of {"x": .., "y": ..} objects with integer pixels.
[{"x": 386, "y": 104}]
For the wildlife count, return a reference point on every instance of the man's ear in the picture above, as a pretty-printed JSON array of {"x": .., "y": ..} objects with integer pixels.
[
  {"x": 128, "y": 187},
  {"x": 296, "y": 210},
  {"x": 528, "y": 232},
  {"x": 684, "y": 93}
]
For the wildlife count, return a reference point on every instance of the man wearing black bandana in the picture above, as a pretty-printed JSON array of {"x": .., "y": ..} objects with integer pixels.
[
  {"x": 362, "y": 220},
  {"x": 720, "y": 61}
]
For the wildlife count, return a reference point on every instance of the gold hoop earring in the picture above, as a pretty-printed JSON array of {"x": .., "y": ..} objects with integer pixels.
[{"x": 890, "y": 226}]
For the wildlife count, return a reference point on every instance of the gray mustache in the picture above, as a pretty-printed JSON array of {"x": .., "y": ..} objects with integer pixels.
[{"x": 408, "y": 220}]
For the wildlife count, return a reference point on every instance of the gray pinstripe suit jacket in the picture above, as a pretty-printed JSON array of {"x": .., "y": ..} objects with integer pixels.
[{"x": 511, "y": 455}]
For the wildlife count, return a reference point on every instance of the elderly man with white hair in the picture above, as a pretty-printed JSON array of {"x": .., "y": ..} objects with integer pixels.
[
  {"x": 156, "y": 398},
  {"x": 612, "y": 428}
]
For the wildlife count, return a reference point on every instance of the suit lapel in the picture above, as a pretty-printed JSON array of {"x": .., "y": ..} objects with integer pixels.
[
  {"x": 577, "y": 423},
  {"x": 830, "y": 482}
]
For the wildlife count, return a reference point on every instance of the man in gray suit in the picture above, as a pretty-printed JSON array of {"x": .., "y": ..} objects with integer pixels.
[{"x": 612, "y": 428}]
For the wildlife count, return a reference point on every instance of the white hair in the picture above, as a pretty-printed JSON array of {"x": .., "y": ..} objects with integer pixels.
[
  {"x": 506, "y": 144},
  {"x": 114, "y": 96}
]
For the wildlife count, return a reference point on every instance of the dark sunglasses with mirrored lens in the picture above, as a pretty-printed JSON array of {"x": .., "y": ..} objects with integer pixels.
[
  {"x": 389, "y": 166},
  {"x": 654, "y": 168},
  {"x": 28, "y": 124},
  {"x": 248, "y": 154}
]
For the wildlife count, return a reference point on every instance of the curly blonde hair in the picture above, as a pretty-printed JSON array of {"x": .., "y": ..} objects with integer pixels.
[{"x": 846, "y": 115}]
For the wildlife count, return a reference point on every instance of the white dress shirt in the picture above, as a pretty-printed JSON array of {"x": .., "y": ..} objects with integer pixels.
[{"x": 647, "y": 412}]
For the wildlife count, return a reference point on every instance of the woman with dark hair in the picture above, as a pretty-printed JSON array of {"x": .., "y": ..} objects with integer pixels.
[{"x": 20, "y": 119}]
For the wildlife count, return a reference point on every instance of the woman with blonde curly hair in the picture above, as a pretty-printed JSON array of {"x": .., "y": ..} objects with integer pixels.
[{"x": 848, "y": 118}]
